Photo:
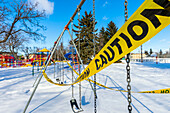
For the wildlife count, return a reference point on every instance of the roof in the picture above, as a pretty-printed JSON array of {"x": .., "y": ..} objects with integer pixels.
[{"x": 44, "y": 50}]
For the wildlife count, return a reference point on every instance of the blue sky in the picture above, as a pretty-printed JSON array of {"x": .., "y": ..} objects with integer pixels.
[{"x": 60, "y": 11}]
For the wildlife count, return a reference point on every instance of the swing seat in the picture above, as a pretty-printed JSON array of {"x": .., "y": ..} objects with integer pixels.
[
  {"x": 74, "y": 106},
  {"x": 80, "y": 110},
  {"x": 57, "y": 79},
  {"x": 61, "y": 82}
]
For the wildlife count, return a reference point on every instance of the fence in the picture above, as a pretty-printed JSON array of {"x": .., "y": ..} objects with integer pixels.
[
  {"x": 154, "y": 59},
  {"x": 16, "y": 63}
]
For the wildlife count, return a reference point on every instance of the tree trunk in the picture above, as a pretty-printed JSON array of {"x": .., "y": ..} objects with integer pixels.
[{"x": 12, "y": 50}]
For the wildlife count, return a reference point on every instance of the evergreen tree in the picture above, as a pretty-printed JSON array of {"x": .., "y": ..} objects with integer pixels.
[
  {"x": 150, "y": 52},
  {"x": 103, "y": 37},
  {"x": 62, "y": 50},
  {"x": 106, "y": 35},
  {"x": 160, "y": 52},
  {"x": 111, "y": 30},
  {"x": 146, "y": 52},
  {"x": 86, "y": 37}
]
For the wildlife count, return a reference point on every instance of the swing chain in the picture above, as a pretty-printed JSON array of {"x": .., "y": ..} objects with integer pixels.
[
  {"x": 72, "y": 54},
  {"x": 128, "y": 66},
  {"x": 126, "y": 10},
  {"x": 128, "y": 81},
  {"x": 95, "y": 105}
]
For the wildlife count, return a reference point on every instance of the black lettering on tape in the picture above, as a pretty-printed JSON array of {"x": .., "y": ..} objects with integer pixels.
[
  {"x": 104, "y": 60},
  {"x": 97, "y": 65},
  {"x": 88, "y": 71},
  {"x": 128, "y": 42},
  {"x": 167, "y": 91},
  {"x": 162, "y": 91},
  {"x": 115, "y": 43},
  {"x": 162, "y": 3},
  {"x": 84, "y": 75},
  {"x": 151, "y": 13},
  {"x": 144, "y": 27},
  {"x": 110, "y": 58}
]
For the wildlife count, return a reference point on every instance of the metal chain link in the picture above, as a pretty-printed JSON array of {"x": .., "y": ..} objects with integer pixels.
[
  {"x": 128, "y": 66},
  {"x": 63, "y": 59},
  {"x": 72, "y": 56},
  {"x": 126, "y": 10},
  {"x": 128, "y": 81},
  {"x": 95, "y": 96}
]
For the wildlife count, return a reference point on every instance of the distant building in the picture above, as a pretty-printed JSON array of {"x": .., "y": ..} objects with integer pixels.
[
  {"x": 5, "y": 53},
  {"x": 154, "y": 55},
  {"x": 31, "y": 55},
  {"x": 165, "y": 55},
  {"x": 137, "y": 55}
]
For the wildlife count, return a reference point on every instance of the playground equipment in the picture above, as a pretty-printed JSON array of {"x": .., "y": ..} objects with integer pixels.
[
  {"x": 73, "y": 101},
  {"x": 39, "y": 59},
  {"x": 40, "y": 56},
  {"x": 122, "y": 43},
  {"x": 7, "y": 61},
  {"x": 69, "y": 56}
]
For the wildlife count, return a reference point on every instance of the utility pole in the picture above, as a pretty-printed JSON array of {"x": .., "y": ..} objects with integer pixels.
[{"x": 141, "y": 54}]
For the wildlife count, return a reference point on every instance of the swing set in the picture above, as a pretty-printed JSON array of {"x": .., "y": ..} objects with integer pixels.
[{"x": 130, "y": 39}]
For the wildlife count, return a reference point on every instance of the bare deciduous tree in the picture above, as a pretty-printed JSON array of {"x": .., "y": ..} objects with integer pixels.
[
  {"x": 27, "y": 51},
  {"x": 14, "y": 43},
  {"x": 20, "y": 16}
]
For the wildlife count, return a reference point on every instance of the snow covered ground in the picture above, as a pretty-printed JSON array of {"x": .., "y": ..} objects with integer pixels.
[{"x": 16, "y": 88}]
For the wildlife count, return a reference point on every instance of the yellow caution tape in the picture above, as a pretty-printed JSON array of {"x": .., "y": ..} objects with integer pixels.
[
  {"x": 72, "y": 68},
  {"x": 49, "y": 80},
  {"x": 38, "y": 60},
  {"x": 102, "y": 85},
  {"x": 162, "y": 91},
  {"x": 150, "y": 18},
  {"x": 60, "y": 61}
]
